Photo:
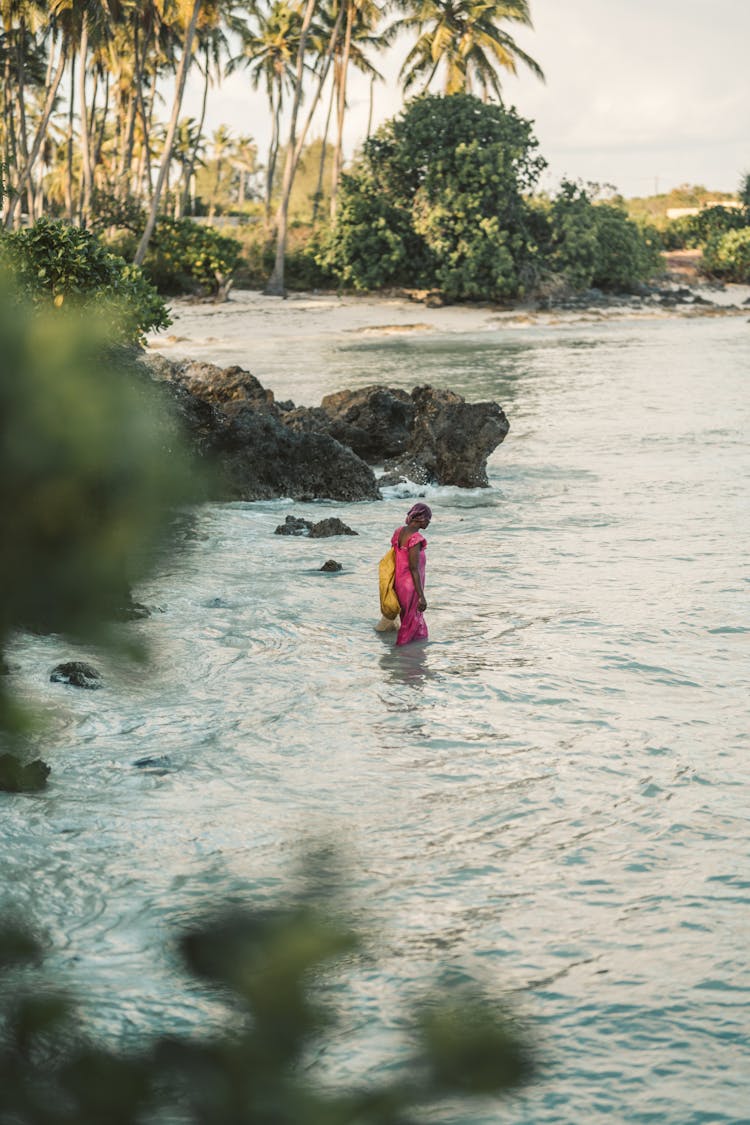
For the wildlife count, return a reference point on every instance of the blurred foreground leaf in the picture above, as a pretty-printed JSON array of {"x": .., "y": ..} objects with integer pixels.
[
  {"x": 90, "y": 464},
  {"x": 273, "y": 969}
]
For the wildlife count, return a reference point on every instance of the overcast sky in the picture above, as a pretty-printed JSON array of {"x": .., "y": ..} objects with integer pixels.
[{"x": 642, "y": 94}]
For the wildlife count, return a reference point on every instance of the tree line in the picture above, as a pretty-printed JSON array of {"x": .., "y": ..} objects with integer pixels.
[{"x": 85, "y": 123}]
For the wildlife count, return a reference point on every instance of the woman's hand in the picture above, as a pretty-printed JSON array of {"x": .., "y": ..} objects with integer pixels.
[{"x": 422, "y": 603}]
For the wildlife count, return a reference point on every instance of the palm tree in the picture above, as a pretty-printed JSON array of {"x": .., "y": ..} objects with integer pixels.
[
  {"x": 465, "y": 38},
  {"x": 190, "y": 12},
  {"x": 362, "y": 18},
  {"x": 269, "y": 52},
  {"x": 19, "y": 19},
  {"x": 222, "y": 144},
  {"x": 188, "y": 145}
]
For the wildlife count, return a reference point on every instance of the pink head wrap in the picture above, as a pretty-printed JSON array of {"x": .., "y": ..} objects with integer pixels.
[{"x": 418, "y": 510}]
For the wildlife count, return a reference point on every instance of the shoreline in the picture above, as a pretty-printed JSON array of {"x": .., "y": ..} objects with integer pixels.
[{"x": 275, "y": 338}]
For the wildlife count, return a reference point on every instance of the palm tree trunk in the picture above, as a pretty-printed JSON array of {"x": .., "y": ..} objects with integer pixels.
[
  {"x": 273, "y": 150},
  {"x": 371, "y": 106},
  {"x": 194, "y": 154},
  {"x": 86, "y": 173},
  {"x": 341, "y": 108},
  {"x": 275, "y": 285},
  {"x": 100, "y": 131},
  {"x": 41, "y": 132},
  {"x": 145, "y": 156},
  {"x": 69, "y": 142},
  {"x": 182, "y": 73},
  {"x": 318, "y": 197}
]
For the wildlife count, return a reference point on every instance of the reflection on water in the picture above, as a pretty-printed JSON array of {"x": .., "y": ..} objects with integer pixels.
[
  {"x": 549, "y": 794},
  {"x": 408, "y": 664}
]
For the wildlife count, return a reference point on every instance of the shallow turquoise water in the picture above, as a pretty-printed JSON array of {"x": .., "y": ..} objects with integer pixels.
[{"x": 550, "y": 798}]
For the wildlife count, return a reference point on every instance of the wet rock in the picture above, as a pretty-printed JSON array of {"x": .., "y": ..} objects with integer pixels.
[
  {"x": 265, "y": 449},
  {"x": 452, "y": 438},
  {"x": 324, "y": 529},
  {"x": 401, "y": 470},
  {"x": 294, "y": 525},
  {"x": 77, "y": 674},
  {"x": 331, "y": 566},
  {"x": 19, "y": 777}
]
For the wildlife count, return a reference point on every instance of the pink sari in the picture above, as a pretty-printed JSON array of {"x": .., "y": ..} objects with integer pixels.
[{"x": 413, "y": 624}]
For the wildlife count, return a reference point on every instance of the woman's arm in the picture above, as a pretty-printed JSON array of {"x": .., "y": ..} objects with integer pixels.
[{"x": 414, "y": 568}]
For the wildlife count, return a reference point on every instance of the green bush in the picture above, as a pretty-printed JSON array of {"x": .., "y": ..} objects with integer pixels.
[
  {"x": 728, "y": 257},
  {"x": 437, "y": 201},
  {"x": 89, "y": 461},
  {"x": 595, "y": 244},
  {"x": 59, "y": 265},
  {"x": 695, "y": 231},
  {"x": 624, "y": 254},
  {"x": 188, "y": 257}
]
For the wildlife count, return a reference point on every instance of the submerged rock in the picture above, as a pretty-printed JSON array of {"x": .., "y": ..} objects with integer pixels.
[
  {"x": 77, "y": 674},
  {"x": 328, "y": 527},
  {"x": 20, "y": 777},
  {"x": 295, "y": 525},
  {"x": 331, "y": 566}
]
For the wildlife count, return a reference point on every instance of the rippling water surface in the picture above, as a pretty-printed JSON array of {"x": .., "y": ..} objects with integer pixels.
[{"x": 549, "y": 798}]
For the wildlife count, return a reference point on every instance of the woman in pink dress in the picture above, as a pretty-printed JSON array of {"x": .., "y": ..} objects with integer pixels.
[{"x": 409, "y": 545}]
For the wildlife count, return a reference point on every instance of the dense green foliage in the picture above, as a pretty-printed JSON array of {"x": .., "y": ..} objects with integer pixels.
[
  {"x": 441, "y": 199},
  {"x": 185, "y": 257},
  {"x": 60, "y": 265},
  {"x": 268, "y": 968},
  {"x": 85, "y": 472},
  {"x": 728, "y": 256},
  {"x": 583, "y": 243},
  {"x": 695, "y": 231},
  {"x": 437, "y": 200}
]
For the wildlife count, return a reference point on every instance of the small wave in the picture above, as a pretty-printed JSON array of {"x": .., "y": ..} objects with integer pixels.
[{"x": 447, "y": 494}]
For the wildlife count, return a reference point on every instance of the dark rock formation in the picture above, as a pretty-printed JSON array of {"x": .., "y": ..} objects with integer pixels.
[
  {"x": 428, "y": 436},
  {"x": 265, "y": 449},
  {"x": 237, "y": 429},
  {"x": 453, "y": 438},
  {"x": 17, "y": 777},
  {"x": 77, "y": 674},
  {"x": 324, "y": 529},
  {"x": 331, "y": 566}
]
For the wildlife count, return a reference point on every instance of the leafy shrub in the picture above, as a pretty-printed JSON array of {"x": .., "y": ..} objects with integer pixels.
[
  {"x": 694, "y": 231},
  {"x": 589, "y": 243},
  {"x": 728, "y": 257},
  {"x": 60, "y": 265},
  {"x": 437, "y": 200},
  {"x": 624, "y": 254},
  {"x": 187, "y": 257}
]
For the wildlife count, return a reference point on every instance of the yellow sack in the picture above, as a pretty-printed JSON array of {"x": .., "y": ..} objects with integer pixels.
[{"x": 389, "y": 603}]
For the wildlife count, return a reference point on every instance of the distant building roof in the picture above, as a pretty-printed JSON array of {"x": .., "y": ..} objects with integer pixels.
[{"x": 683, "y": 212}]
